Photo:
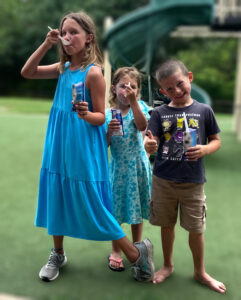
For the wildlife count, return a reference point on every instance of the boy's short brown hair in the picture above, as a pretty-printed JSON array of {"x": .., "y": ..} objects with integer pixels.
[{"x": 169, "y": 67}]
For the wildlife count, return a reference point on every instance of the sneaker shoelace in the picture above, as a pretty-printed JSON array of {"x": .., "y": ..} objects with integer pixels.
[{"x": 53, "y": 260}]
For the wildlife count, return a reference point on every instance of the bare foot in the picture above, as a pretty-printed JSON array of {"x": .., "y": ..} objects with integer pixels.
[
  {"x": 162, "y": 274},
  {"x": 211, "y": 282}
]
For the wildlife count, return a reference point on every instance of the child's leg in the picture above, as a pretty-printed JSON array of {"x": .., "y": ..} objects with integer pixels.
[
  {"x": 168, "y": 236},
  {"x": 136, "y": 230},
  {"x": 196, "y": 243},
  {"x": 115, "y": 259},
  {"x": 58, "y": 243},
  {"x": 128, "y": 248}
]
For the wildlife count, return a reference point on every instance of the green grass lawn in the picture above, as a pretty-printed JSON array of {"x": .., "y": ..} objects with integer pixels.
[
  {"x": 25, "y": 105},
  {"x": 24, "y": 248}
]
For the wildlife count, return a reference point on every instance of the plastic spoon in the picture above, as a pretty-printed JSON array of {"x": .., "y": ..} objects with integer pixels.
[{"x": 60, "y": 37}]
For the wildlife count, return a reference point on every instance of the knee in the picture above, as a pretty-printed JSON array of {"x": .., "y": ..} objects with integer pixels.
[{"x": 167, "y": 229}]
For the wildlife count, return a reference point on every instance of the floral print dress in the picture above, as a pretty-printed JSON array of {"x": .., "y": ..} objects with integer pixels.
[{"x": 130, "y": 171}]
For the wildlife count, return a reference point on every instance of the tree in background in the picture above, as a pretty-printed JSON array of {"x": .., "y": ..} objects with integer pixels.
[
  {"x": 212, "y": 61},
  {"x": 213, "y": 64},
  {"x": 23, "y": 26}
]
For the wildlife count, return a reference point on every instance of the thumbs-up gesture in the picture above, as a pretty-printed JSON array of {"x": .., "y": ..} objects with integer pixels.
[{"x": 150, "y": 143}]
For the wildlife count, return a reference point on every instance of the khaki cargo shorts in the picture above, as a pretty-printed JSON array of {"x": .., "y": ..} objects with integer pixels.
[{"x": 168, "y": 197}]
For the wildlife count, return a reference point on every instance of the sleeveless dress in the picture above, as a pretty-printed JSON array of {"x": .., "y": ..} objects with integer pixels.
[
  {"x": 74, "y": 192},
  {"x": 130, "y": 171}
]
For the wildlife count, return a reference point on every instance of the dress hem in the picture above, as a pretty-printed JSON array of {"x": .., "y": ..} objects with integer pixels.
[{"x": 81, "y": 237}]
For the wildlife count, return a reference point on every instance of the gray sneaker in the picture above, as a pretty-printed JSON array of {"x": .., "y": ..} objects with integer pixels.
[
  {"x": 143, "y": 268},
  {"x": 50, "y": 271}
]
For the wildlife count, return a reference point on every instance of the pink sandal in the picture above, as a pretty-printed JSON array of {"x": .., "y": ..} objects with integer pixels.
[{"x": 118, "y": 261}]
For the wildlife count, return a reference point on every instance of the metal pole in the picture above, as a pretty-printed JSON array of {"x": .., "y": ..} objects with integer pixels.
[
  {"x": 107, "y": 66},
  {"x": 237, "y": 102}
]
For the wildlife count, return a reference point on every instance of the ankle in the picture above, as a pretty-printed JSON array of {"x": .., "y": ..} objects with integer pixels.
[
  {"x": 116, "y": 253},
  {"x": 199, "y": 273},
  {"x": 168, "y": 265},
  {"x": 59, "y": 250}
]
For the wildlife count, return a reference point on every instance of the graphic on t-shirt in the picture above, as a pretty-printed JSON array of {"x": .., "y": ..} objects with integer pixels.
[
  {"x": 178, "y": 151},
  {"x": 193, "y": 123},
  {"x": 167, "y": 136},
  {"x": 166, "y": 125},
  {"x": 176, "y": 141},
  {"x": 165, "y": 151},
  {"x": 178, "y": 137},
  {"x": 180, "y": 122}
]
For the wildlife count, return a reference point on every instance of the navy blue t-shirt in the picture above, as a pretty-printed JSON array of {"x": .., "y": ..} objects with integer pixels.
[{"x": 167, "y": 123}]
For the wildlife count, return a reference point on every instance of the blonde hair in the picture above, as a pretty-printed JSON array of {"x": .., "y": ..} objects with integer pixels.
[
  {"x": 119, "y": 73},
  {"x": 92, "y": 53}
]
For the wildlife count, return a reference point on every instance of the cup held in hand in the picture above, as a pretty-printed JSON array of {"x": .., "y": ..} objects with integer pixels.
[{"x": 189, "y": 140}]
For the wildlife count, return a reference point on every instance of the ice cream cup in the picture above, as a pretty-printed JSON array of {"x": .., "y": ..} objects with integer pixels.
[{"x": 189, "y": 140}]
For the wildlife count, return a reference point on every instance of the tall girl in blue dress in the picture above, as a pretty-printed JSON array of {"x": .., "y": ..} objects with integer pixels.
[
  {"x": 130, "y": 170},
  {"x": 74, "y": 190}
]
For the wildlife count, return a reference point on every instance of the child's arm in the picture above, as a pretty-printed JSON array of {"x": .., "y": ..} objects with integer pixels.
[
  {"x": 151, "y": 143},
  {"x": 139, "y": 117},
  {"x": 214, "y": 143},
  {"x": 96, "y": 84},
  {"x": 32, "y": 70}
]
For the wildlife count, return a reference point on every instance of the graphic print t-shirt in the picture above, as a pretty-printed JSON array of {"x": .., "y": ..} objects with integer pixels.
[{"x": 168, "y": 124}]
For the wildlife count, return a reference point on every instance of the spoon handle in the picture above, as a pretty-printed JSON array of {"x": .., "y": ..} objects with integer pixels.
[{"x": 60, "y": 37}]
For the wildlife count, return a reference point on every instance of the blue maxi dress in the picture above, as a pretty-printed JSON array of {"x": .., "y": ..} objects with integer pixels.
[{"x": 74, "y": 192}]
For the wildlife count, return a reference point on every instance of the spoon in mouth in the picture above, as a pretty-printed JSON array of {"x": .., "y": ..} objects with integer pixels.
[{"x": 66, "y": 43}]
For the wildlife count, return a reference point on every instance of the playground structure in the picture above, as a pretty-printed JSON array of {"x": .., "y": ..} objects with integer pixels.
[{"x": 134, "y": 38}]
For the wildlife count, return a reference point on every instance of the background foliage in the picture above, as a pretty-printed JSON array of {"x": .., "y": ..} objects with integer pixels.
[
  {"x": 23, "y": 27},
  {"x": 212, "y": 61}
]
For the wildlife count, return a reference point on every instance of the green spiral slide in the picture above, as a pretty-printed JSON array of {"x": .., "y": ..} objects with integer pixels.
[{"x": 134, "y": 38}]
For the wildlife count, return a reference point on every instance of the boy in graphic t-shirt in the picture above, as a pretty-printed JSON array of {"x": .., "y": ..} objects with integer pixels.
[{"x": 178, "y": 173}]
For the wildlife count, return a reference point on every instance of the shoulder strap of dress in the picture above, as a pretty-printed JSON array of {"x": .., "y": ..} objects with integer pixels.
[
  {"x": 66, "y": 65},
  {"x": 88, "y": 67}
]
